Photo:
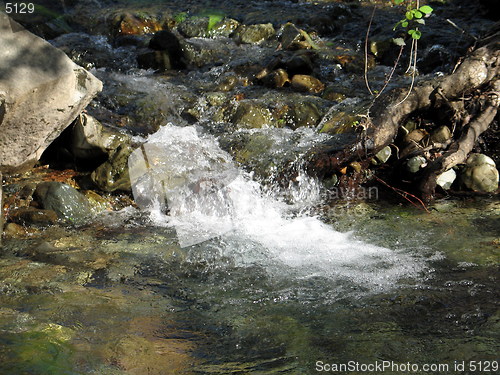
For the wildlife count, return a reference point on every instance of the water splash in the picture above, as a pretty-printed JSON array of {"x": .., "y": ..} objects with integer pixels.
[{"x": 185, "y": 180}]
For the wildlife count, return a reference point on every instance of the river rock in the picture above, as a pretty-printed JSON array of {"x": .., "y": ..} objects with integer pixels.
[
  {"x": 306, "y": 83},
  {"x": 276, "y": 79},
  {"x": 441, "y": 134},
  {"x": 69, "y": 204},
  {"x": 32, "y": 216},
  {"x": 414, "y": 164},
  {"x": 251, "y": 114},
  {"x": 113, "y": 174},
  {"x": 200, "y": 52},
  {"x": 91, "y": 140},
  {"x": 194, "y": 27},
  {"x": 480, "y": 173},
  {"x": 383, "y": 155},
  {"x": 446, "y": 179},
  {"x": 304, "y": 114},
  {"x": 41, "y": 92},
  {"x": 255, "y": 34},
  {"x": 168, "y": 53}
]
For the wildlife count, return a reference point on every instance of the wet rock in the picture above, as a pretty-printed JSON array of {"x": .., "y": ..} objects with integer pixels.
[
  {"x": 276, "y": 79},
  {"x": 94, "y": 51},
  {"x": 227, "y": 83},
  {"x": 251, "y": 114},
  {"x": 13, "y": 230},
  {"x": 299, "y": 63},
  {"x": 437, "y": 57},
  {"x": 167, "y": 52},
  {"x": 331, "y": 93},
  {"x": 304, "y": 114},
  {"x": 414, "y": 164},
  {"x": 446, "y": 179},
  {"x": 199, "y": 52},
  {"x": 306, "y": 83},
  {"x": 33, "y": 216},
  {"x": 69, "y": 204},
  {"x": 290, "y": 36},
  {"x": 91, "y": 140},
  {"x": 339, "y": 123},
  {"x": 157, "y": 60},
  {"x": 113, "y": 175},
  {"x": 41, "y": 92},
  {"x": 255, "y": 34},
  {"x": 194, "y": 27},
  {"x": 225, "y": 28},
  {"x": 138, "y": 23},
  {"x": 480, "y": 173}
]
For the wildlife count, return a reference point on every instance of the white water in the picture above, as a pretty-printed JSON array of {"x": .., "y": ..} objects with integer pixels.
[{"x": 210, "y": 199}]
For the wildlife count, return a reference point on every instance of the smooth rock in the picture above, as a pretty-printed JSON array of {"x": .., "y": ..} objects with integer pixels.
[
  {"x": 113, "y": 174},
  {"x": 441, "y": 134},
  {"x": 41, "y": 92},
  {"x": 480, "y": 173},
  {"x": 276, "y": 79},
  {"x": 251, "y": 114},
  {"x": 383, "y": 155},
  {"x": 306, "y": 83},
  {"x": 255, "y": 34},
  {"x": 414, "y": 164},
  {"x": 446, "y": 179},
  {"x": 69, "y": 204}
]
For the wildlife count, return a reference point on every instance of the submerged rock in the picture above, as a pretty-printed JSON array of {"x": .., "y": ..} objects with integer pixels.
[
  {"x": 33, "y": 216},
  {"x": 69, "y": 204},
  {"x": 251, "y": 114},
  {"x": 480, "y": 173},
  {"x": 41, "y": 92},
  {"x": 255, "y": 34}
]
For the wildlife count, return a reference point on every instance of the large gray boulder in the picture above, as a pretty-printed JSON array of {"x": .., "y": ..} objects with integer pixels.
[{"x": 41, "y": 92}]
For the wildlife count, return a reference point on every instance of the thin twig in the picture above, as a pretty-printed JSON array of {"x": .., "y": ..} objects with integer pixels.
[
  {"x": 405, "y": 195},
  {"x": 392, "y": 72},
  {"x": 366, "y": 50}
]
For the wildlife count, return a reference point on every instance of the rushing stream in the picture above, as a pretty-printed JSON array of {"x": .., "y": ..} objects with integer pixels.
[{"x": 224, "y": 269}]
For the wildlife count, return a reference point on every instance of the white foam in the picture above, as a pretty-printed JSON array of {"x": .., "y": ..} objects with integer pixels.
[{"x": 255, "y": 227}]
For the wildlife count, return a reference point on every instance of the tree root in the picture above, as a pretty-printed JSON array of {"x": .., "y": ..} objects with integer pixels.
[{"x": 389, "y": 111}]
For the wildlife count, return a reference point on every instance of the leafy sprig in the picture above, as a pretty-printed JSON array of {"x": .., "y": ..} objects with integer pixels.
[{"x": 414, "y": 17}]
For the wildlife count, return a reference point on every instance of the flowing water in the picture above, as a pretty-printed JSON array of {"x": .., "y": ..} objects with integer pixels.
[
  {"x": 225, "y": 269},
  {"x": 236, "y": 278}
]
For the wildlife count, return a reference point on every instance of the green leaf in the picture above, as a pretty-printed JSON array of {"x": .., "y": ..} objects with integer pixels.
[
  {"x": 397, "y": 2},
  {"x": 399, "y": 42},
  {"x": 409, "y": 15},
  {"x": 415, "y": 34},
  {"x": 417, "y": 14},
  {"x": 404, "y": 23},
  {"x": 425, "y": 9}
]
